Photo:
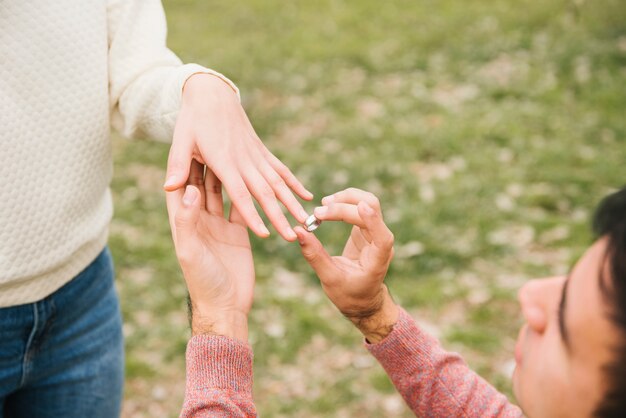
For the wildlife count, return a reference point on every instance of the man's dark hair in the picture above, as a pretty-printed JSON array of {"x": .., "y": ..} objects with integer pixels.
[{"x": 610, "y": 222}]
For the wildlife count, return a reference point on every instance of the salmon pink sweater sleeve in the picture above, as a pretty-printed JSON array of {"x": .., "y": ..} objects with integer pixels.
[
  {"x": 219, "y": 378},
  {"x": 434, "y": 382}
]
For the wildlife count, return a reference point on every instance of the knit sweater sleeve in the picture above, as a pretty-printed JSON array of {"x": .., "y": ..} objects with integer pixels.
[
  {"x": 433, "y": 382},
  {"x": 219, "y": 378},
  {"x": 145, "y": 77}
]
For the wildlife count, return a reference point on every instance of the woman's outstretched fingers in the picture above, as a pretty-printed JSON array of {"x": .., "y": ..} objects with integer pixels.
[
  {"x": 289, "y": 178},
  {"x": 236, "y": 217},
  {"x": 241, "y": 197},
  {"x": 282, "y": 192},
  {"x": 265, "y": 195}
]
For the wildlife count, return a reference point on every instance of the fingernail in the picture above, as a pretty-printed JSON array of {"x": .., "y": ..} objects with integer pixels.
[
  {"x": 367, "y": 209},
  {"x": 190, "y": 196},
  {"x": 320, "y": 211},
  {"x": 328, "y": 200},
  {"x": 263, "y": 229},
  {"x": 171, "y": 180}
]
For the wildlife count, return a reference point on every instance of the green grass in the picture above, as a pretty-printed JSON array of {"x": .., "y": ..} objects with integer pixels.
[{"x": 489, "y": 130}]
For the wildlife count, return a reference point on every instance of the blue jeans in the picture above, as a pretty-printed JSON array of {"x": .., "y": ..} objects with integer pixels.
[{"x": 63, "y": 356}]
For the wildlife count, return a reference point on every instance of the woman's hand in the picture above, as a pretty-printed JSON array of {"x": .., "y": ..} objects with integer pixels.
[
  {"x": 214, "y": 129},
  {"x": 215, "y": 256},
  {"x": 354, "y": 281}
]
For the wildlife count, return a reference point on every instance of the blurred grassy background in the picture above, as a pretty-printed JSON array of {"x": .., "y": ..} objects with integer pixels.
[{"x": 489, "y": 129}]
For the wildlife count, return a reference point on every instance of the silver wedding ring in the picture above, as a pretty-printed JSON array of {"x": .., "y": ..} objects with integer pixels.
[{"x": 312, "y": 223}]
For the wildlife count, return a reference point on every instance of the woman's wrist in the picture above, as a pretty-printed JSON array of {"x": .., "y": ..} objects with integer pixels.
[{"x": 206, "y": 85}]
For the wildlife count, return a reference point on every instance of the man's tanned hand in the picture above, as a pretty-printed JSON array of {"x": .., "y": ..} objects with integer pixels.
[
  {"x": 215, "y": 256},
  {"x": 354, "y": 280}
]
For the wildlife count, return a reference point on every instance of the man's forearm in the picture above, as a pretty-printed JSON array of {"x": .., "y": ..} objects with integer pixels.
[
  {"x": 209, "y": 320},
  {"x": 433, "y": 382},
  {"x": 376, "y": 325},
  {"x": 227, "y": 324},
  {"x": 219, "y": 365}
]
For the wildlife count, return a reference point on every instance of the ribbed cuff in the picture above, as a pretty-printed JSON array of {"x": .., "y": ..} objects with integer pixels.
[
  {"x": 218, "y": 362},
  {"x": 405, "y": 344}
]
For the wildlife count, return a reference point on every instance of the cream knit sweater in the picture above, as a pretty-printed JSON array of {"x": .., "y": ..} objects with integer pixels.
[{"x": 68, "y": 70}]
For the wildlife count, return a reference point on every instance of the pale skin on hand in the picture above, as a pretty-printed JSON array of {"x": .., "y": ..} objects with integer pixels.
[
  {"x": 354, "y": 281},
  {"x": 213, "y": 128},
  {"x": 215, "y": 256}
]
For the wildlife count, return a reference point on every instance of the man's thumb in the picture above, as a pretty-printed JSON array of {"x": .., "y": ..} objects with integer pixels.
[{"x": 188, "y": 214}]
